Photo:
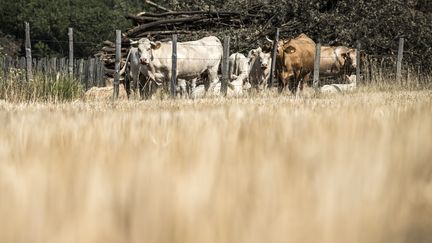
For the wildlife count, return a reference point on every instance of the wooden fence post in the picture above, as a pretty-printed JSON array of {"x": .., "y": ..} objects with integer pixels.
[
  {"x": 53, "y": 68},
  {"x": 86, "y": 73},
  {"x": 418, "y": 75},
  {"x": 71, "y": 55},
  {"x": 174, "y": 66},
  {"x": 62, "y": 66},
  {"x": 28, "y": 52},
  {"x": 7, "y": 65},
  {"x": 80, "y": 64},
  {"x": 317, "y": 65},
  {"x": 358, "y": 65},
  {"x": 273, "y": 61},
  {"x": 225, "y": 56},
  {"x": 117, "y": 64},
  {"x": 91, "y": 71},
  {"x": 399, "y": 61}
]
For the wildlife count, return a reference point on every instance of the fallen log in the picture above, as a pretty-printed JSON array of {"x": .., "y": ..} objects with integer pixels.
[
  {"x": 141, "y": 19},
  {"x": 108, "y": 43},
  {"x": 111, "y": 49},
  {"x": 208, "y": 13},
  {"x": 157, "y": 5},
  {"x": 165, "y": 32},
  {"x": 142, "y": 27}
]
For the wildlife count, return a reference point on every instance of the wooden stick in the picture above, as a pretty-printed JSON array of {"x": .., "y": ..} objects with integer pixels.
[
  {"x": 157, "y": 5},
  {"x": 225, "y": 74},
  {"x": 71, "y": 55},
  {"x": 174, "y": 66},
  {"x": 214, "y": 13},
  {"x": 28, "y": 52},
  {"x": 142, "y": 27},
  {"x": 399, "y": 61},
  {"x": 358, "y": 60},
  {"x": 273, "y": 61},
  {"x": 117, "y": 64},
  {"x": 165, "y": 32},
  {"x": 317, "y": 66}
]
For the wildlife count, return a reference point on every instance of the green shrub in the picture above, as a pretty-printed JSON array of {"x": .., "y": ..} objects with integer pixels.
[{"x": 14, "y": 87}]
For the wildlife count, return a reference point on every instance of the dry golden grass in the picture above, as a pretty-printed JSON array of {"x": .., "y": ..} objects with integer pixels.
[{"x": 344, "y": 168}]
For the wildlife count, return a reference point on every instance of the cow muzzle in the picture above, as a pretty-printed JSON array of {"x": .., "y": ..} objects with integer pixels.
[
  {"x": 144, "y": 61},
  {"x": 264, "y": 66}
]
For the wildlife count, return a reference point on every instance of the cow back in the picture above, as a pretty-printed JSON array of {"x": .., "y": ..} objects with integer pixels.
[{"x": 193, "y": 57}]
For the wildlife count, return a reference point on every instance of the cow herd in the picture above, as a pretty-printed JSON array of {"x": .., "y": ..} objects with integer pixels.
[{"x": 149, "y": 66}]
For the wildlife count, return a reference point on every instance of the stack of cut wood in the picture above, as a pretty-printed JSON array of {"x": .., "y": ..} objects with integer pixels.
[{"x": 162, "y": 24}]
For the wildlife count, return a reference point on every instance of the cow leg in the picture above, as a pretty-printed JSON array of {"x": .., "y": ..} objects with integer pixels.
[
  {"x": 142, "y": 88},
  {"x": 281, "y": 87},
  {"x": 213, "y": 79},
  {"x": 292, "y": 84},
  {"x": 281, "y": 84},
  {"x": 181, "y": 84},
  {"x": 145, "y": 87},
  {"x": 192, "y": 88},
  {"x": 127, "y": 86},
  {"x": 299, "y": 88},
  {"x": 307, "y": 81}
]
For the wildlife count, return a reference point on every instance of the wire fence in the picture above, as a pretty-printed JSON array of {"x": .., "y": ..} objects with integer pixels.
[
  {"x": 100, "y": 71},
  {"x": 88, "y": 72}
]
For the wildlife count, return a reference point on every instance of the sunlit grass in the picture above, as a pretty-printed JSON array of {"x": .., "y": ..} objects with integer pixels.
[{"x": 320, "y": 168}]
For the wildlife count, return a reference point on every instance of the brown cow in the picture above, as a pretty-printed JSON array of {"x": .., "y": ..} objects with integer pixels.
[{"x": 295, "y": 59}]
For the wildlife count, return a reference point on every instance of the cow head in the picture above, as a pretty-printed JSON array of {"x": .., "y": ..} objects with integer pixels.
[
  {"x": 264, "y": 58},
  {"x": 145, "y": 49}
]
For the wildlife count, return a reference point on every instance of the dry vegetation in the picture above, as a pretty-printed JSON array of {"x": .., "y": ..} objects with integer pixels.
[{"x": 343, "y": 168}]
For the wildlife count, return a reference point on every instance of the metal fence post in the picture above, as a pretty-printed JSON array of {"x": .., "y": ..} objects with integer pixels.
[
  {"x": 117, "y": 64},
  {"x": 225, "y": 74},
  {"x": 399, "y": 61},
  {"x": 28, "y": 52},
  {"x": 317, "y": 65},
  {"x": 273, "y": 62},
  {"x": 174, "y": 66}
]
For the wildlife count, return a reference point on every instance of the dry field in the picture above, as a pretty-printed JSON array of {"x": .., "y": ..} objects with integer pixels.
[{"x": 342, "y": 168}]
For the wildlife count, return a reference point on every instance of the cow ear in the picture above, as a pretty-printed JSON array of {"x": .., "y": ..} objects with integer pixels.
[
  {"x": 155, "y": 45},
  {"x": 252, "y": 53},
  {"x": 290, "y": 49},
  {"x": 134, "y": 43}
]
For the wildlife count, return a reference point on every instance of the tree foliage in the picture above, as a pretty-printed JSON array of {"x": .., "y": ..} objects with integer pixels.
[{"x": 92, "y": 20}]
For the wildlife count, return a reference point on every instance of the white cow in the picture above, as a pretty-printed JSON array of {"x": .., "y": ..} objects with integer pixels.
[
  {"x": 260, "y": 63},
  {"x": 250, "y": 71},
  {"x": 340, "y": 88},
  {"x": 238, "y": 72},
  {"x": 137, "y": 73},
  {"x": 193, "y": 59}
]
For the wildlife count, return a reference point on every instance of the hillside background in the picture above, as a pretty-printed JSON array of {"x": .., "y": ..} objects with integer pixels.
[{"x": 377, "y": 24}]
